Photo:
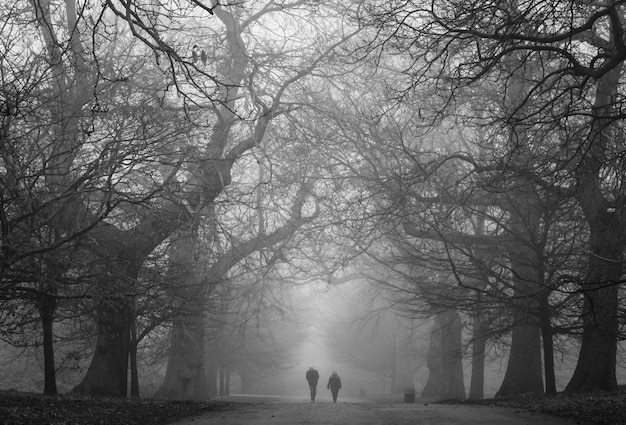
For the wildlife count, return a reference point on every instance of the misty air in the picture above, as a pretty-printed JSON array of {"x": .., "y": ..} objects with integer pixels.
[{"x": 312, "y": 211}]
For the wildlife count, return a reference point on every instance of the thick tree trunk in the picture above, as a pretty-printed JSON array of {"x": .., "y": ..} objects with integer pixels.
[
  {"x": 47, "y": 309},
  {"x": 524, "y": 373},
  {"x": 434, "y": 384},
  {"x": 403, "y": 367},
  {"x": 211, "y": 377},
  {"x": 445, "y": 378},
  {"x": 452, "y": 355},
  {"x": 185, "y": 377},
  {"x": 479, "y": 343},
  {"x": 134, "y": 372},
  {"x": 108, "y": 372},
  {"x": 246, "y": 383},
  {"x": 606, "y": 217},
  {"x": 403, "y": 374},
  {"x": 595, "y": 370}
]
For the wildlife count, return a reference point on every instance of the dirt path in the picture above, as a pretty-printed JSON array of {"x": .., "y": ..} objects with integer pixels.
[{"x": 274, "y": 411}]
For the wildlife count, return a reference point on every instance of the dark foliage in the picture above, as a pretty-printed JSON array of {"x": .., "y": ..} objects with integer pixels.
[{"x": 29, "y": 409}]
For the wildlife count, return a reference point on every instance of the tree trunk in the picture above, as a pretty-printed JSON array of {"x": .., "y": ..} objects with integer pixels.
[
  {"x": 524, "y": 373},
  {"x": 445, "y": 378},
  {"x": 222, "y": 385},
  {"x": 107, "y": 375},
  {"x": 479, "y": 343},
  {"x": 211, "y": 377},
  {"x": 452, "y": 355},
  {"x": 185, "y": 377},
  {"x": 134, "y": 372},
  {"x": 47, "y": 309},
  {"x": 403, "y": 367},
  {"x": 595, "y": 370},
  {"x": 403, "y": 373},
  {"x": 227, "y": 383},
  {"x": 548, "y": 345},
  {"x": 434, "y": 384},
  {"x": 246, "y": 383}
]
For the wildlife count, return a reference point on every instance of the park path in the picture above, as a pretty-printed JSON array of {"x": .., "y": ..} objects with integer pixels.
[{"x": 293, "y": 411}]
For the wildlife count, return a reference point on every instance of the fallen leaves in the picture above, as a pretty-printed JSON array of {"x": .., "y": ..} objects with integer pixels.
[
  {"x": 595, "y": 408},
  {"x": 30, "y": 409}
]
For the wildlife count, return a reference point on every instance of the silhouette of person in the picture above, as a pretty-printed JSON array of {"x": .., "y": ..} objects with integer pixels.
[
  {"x": 334, "y": 384},
  {"x": 312, "y": 376}
]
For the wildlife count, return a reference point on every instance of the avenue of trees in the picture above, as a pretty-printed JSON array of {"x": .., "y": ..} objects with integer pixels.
[{"x": 171, "y": 172}]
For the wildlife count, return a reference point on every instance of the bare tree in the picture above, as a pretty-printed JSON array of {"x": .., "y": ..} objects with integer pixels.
[
  {"x": 572, "y": 57},
  {"x": 142, "y": 127}
]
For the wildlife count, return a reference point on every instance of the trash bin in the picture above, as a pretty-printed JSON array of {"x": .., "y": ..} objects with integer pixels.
[{"x": 409, "y": 395}]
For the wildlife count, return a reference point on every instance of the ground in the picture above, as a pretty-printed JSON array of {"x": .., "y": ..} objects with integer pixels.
[
  {"x": 359, "y": 412},
  {"x": 23, "y": 408},
  {"x": 29, "y": 409}
]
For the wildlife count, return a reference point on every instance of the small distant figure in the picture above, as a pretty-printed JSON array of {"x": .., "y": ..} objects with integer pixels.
[
  {"x": 312, "y": 376},
  {"x": 334, "y": 384}
]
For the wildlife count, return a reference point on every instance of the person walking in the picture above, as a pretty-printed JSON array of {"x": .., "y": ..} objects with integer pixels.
[
  {"x": 312, "y": 376},
  {"x": 334, "y": 385}
]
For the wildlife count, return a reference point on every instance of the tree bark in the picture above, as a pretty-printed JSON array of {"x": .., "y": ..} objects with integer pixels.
[
  {"x": 434, "y": 384},
  {"x": 524, "y": 369},
  {"x": 227, "y": 382},
  {"x": 47, "y": 309},
  {"x": 445, "y": 359},
  {"x": 524, "y": 372},
  {"x": 479, "y": 343},
  {"x": 452, "y": 355},
  {"x": 595, "y": 370},
  {"x": 134, "y": 372},
  {"x": 547, "y": 335},
  {"x": 222, "y": 375},
  {"x": 211, "y": 377},
  {"x": 403, "y": 368},
  {"x": 185, "y": 377},
  {"x": 108, "y": 372}
]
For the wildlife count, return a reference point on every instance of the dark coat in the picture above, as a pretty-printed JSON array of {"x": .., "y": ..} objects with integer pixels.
[
  {"x": 334, "y": 383},
  {"x": 312, "y": 376}
]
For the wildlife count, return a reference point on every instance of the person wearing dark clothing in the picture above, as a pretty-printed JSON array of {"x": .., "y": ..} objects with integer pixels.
[
  {"x": 312, "y": 376},
  {"x": 334, "y": 385}
]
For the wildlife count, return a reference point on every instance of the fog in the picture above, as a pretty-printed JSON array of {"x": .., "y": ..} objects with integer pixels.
[
  {"x": 327, "y": 310},
  {"x": 184, "y": 194}
]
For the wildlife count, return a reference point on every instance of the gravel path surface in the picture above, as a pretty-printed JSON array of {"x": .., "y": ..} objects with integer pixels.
[{"x": 282, "y": 411}]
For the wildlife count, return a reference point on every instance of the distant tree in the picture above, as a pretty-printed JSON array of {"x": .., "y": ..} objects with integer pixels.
[
  {"x": 256, "y": 334},
  {"x": 445, "y": 378},
  {"x": 365, "y": 333}
]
